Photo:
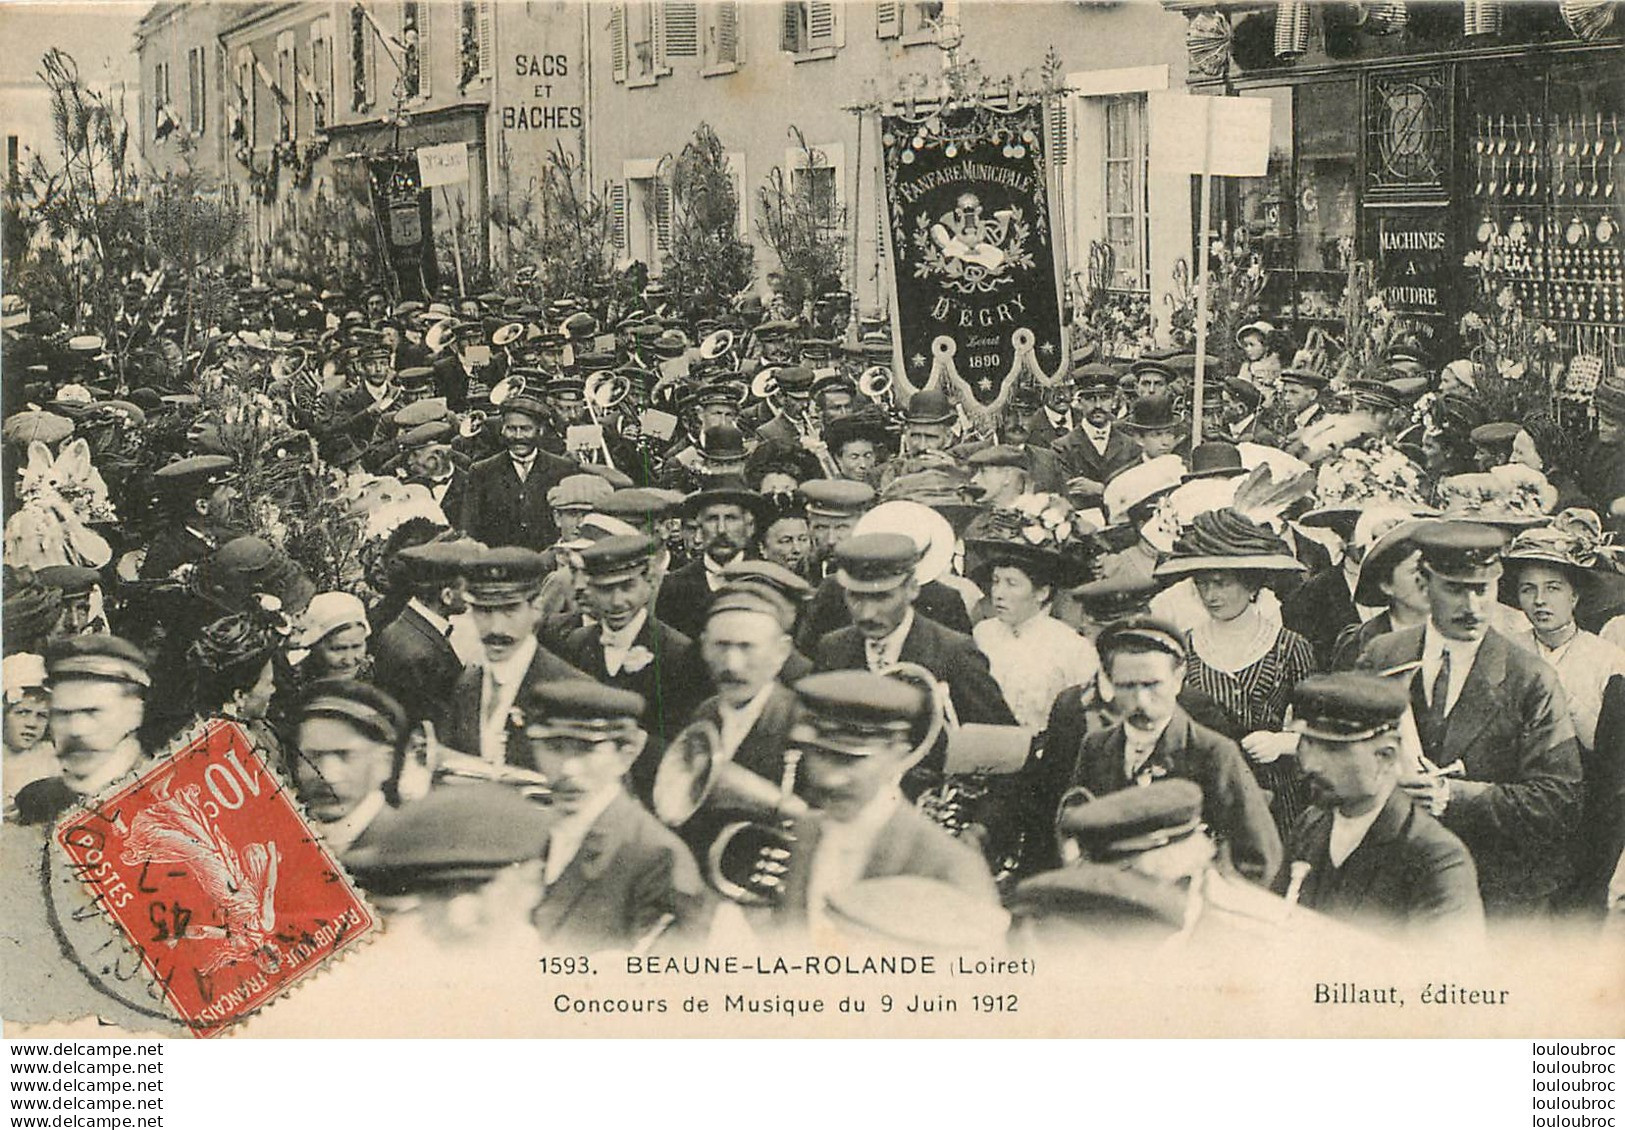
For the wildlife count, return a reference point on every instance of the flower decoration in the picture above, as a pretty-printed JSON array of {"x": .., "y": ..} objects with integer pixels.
[
  {"x": 1374, "y": 473},
  {"x": 1575, "y": 537},
  {"x": 637, "y": 659}
]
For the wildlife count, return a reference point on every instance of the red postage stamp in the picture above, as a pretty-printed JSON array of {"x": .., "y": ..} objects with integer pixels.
[{"x": 210, "y": 872}]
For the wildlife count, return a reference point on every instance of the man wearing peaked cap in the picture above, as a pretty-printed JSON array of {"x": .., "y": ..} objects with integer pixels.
[
  {"x": 503, "y": 591},
  {"x": 1151, "y": 737},
  {"x": 628, "y": 647},
  {"x": 347, "y": 754},
  {"x": 876, "y": 574},
  {"x": 795, "y": 400},
  {"x": 79, "y": 586},
  {"x": 413, "y": 655},
  {"x": 1375, "y": 859},
  {"x": 98, "y": 686},
  {"x": 858, "y": 733},
  {"x": 506, "y": 501},
  {"x": 429, "y": 460},
  {"x": 197, "y": 496},
  {"x": 1503, "y": 763},
  {"x": 833, "y": 508},
  {"x": 613, "y": 876}
]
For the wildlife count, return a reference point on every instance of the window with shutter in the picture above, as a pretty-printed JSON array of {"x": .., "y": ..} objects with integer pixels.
[
  {"x": 682, "y": 26},
  {"x": 719, "y": 40},
  {"x": 321, "y": 65},
  {"x": 888, "y": 21},
  {"x": 1060, "y": 139},
  {"x": 662, "y": 195},
  {"x": 617, "y": 47},
  {"x": 424, "y": 38},
  {"x": 823, "y": 26},
  {"x": 617, "y": 212},
  {"x": 287, "y": 106},
  {"x": 793, "y": 27},
  {"x": 487, "y": 39}
]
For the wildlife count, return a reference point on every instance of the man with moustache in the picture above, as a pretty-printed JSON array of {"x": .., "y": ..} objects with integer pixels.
[
  {"x": 506, "y": 500},
  {"x": 98, "y": 685},
  {"x": 1502, "y": 767},
  {"x": 199, "y": 496},
  {"x": 1097, "y": 448},
  {"x": 413, "y": 658},
  {"x": 628, "y": 647},
  {"x": 348, "y": 746},
  {"x": 1375, "y": 859},
  {"x": 1153, "y": 737},
  {"x": 725, "y": 521},
  {"x": 745, "y": 644},
  {"x": 504, "y": 598}
]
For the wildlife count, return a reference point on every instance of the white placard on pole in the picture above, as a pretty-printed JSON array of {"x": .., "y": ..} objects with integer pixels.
[
  {"x": 1209, "y": 136},
  {"x": 443, "y": 164}
]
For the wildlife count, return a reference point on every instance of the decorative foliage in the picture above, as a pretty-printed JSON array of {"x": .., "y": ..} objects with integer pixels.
[
  {"x": 708, "y": 262},
  {"x": 804, "y": 230},
  {"x": 575, "y": 254}
]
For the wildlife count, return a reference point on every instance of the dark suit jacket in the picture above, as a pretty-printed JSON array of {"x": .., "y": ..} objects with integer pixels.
[
  {"x": 1319, "y": 612},
  {"x": 630, "y": 871},
  {"x": 1042, "y": 433},
  {"x": 951, "y": 656},
  {"x": 672, "y": 684},
  {"x": 1410, "y": 872},
  {"x": 458, "y": 722},
  {"x": 501, "y": 510},
  {"x": 907, "y": 844},
  {"x": 1518, "y": 807},
  {"x": 827, "y": 611},
  {"x": 1602, "y": 821},
  {"x": 455, "y": 501},
  {"x": 173, "y": 547},
  {"x": 1232, "y": 803},
  {"x": 1354, "y": 639},
  {"x": 1079, "y": 457},
  {"x": 451, "y": 381},
  {"x": 684, "y": 598},
  {"x": 415, "y": 663}
]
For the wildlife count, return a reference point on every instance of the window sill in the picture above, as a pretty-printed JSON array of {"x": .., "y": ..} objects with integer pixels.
[
  {"x": 918, "y": 38},
  {"x": 716, "y": 69},
  {"x": 813, "y": 56},
  {"x": 637, "y": 81}
]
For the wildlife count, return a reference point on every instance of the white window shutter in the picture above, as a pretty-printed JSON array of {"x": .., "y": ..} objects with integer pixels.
[
  {"x": 657, "y": 36},
  {"x": 663, "y": 204},
  {"x": 424, "y": 39},
  {"x": 821, "y": 24},
  {"x": 617, "y": 212},
  {"x": 888, "y": 20},
  {"x": 728, "y": 32},
  {"x": 617, "y": 53},
  {"x": 682, "y": 29},
  {"x": 1059, "y": 131},
  {"x": 485, "y": 22}
]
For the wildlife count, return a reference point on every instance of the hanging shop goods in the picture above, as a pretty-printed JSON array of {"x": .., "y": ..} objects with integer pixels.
[
  {"x": 405, "y": 215},
  {"x": 973, "y": 252}
]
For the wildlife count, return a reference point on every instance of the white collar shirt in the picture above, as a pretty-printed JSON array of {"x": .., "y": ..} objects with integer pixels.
[
  {"x": 565, "y": 840},
  {"x": 1349, "y": 832},
  {"x": 1138, "y": 746},
  {"x": 734, "y": 722},
  {"x": 888, "y": 650},
  {"x": 1462, "y": 654},
  {"x": 499, "y": 688},
  {"x": 618, "y": 643}
]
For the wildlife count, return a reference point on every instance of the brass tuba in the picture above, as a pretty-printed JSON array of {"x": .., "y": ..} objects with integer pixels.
[{"x": 747, "y": 860}]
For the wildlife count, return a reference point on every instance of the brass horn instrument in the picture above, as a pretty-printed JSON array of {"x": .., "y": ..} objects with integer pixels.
[
  {"x": 747, "y": 860},
  {"x": 507, "y": 388},
  {"x": 471, "y": 423},
  {"x": 877, "y": 385},
  {"x": 718, "y": 343},
  {"x": 603, "y": 392}
]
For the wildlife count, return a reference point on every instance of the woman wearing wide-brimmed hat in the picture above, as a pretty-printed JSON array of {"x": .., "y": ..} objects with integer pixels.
[
  {"x": 1032, "y": 655},
  {"x": 1550, "y": 574},
  {"x": 1245, "y": 661},
  {"x": 1390, "y": 578}
]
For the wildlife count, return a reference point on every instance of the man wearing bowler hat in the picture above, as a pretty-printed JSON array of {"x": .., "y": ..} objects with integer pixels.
[
  {"x": 1375, "y": 858},
  {"x": 1098, "y": 447},
  {"x": 627, "y": 646},
  {"x": 725, "y": 517},
  {"x": 503, "y": 592},
  {"x": 1502, "y": 765},
  {"x": 506, "y": 501},
  {"x": 876, "y": 575},
  {"x": 612, "y": 875}
]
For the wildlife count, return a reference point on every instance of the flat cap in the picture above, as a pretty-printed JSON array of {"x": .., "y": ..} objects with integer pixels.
[
  {"x": 581, "y": 704},
  {"x": 505, "y": 575},
  {"x": 748, "y": 570},
  {"x": 69, "y": 580},
  {"x": 638, "y": 505},
  {"x": 875, "y": 562},
  {"x": 96, "y": 656},
  {"x": 1496, "y": 433},
  {"x": 454, "y": 836},
  {"x": 1095, "y": 375},
  {"x": 1348, "y": 706},
  {"x": 421, "y": 412},
  {"x": 746, "y": 596},
  {"x": 837, "y": 497},
  {"x": 425, "y": 435},
  {"x": 525, "y": 405},
  {"x": 615, "y": 559},
  {"x": 1131, "y": 821},
  {"x": 194, "y": 473},
  {"x": 439, "y": 560},
  {"x": 370, "y": 710},
  {"x": 1461, "y": 551},
  {"x": 415, "y": 377},
  {"x": 1142, "y": 633},
  {"x": 1002, "y": 455},
  {"x": 851, "y": 712},
  {"x": 579, "y": 492},
  {"x": 793, "y": 378}
]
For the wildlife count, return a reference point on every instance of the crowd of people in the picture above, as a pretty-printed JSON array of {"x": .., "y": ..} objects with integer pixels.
[{"x": 606, "y": 627}]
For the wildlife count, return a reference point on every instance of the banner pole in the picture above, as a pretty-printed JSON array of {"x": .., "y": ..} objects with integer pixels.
[
  {"x": 456, "y": 251},
  {"x": 1202, "y": 276}
]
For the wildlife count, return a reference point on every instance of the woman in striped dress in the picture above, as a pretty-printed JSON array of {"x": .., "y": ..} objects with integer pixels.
[{"x": 1240, "y": 657}]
